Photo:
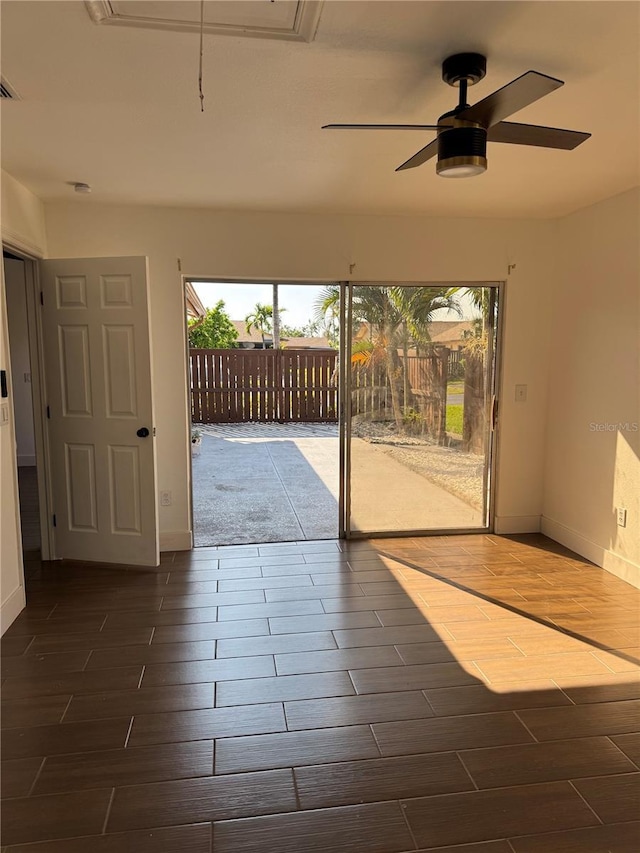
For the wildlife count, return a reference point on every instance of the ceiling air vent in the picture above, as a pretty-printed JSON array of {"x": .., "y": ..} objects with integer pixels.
[{"x": 7, "y": 92}]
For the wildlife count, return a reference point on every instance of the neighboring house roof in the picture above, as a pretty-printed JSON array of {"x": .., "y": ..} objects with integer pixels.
[
  {"x": 441, "y": 332},
  {"x": 195, "y": 308},
  {"x": 254, "y": 337},
  {"x": 449, "y": 331}
]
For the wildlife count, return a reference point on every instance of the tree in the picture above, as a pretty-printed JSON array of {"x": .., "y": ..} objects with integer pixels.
[
  {"x": 397, "y": 318},
  {"x": 213, "y": 331},
  {"x": 308, "y": 330},
  {"x": 327, "y": 314},
  {"x": 261, "y": 319}
]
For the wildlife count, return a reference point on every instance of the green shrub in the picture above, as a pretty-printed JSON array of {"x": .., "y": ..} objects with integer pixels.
[{"x": 213, "y": 331}]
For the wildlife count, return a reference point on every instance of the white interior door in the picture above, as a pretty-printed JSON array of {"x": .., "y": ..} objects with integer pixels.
[{"x": 101, "y": 427}]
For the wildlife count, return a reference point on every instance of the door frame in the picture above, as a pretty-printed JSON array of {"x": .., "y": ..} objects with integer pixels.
[
  {"x": 492, "y": 439},
  {"x": 344, "y": 422},
  {"x": 38, "y": 396}
]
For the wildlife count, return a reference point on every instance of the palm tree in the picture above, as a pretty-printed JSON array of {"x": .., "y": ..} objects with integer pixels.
[
  {"x": 397, "y": 317},
  {"x": 482, "y": 300},
  {"x": 261, "y": 319},
  {"x": 401, "y": 317},
  {"x": 326, "y": 311}
]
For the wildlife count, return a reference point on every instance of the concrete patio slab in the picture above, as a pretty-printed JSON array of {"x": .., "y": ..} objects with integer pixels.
[
  {"x": 265, "y": 483},
  {"x": 279, "y": 482}
]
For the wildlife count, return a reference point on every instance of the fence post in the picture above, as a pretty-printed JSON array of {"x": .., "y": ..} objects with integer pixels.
[{"x": 474, "y": 416}]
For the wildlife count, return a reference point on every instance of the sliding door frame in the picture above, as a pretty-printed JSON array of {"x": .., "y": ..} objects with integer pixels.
[
  {"x": 494, "y": 357},
  {"x": 344, "y": 419}
]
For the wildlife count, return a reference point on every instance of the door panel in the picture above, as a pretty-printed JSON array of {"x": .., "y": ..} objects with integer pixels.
[
  {"x": 419, "y": 391},
  {"x": 120, "y": 371},
  {"x": 81, "y": 487},
  {"x": 75, "y": 376},
  {"x": 124, "y": 489},
  {"x": 98, "y": 364}
]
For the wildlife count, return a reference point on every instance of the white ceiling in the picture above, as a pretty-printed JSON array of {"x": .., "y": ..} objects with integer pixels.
[{"x": 117, "y": 107}]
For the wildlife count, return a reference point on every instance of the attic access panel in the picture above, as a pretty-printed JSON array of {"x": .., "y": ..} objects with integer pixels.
[{"x": 292, "y": 20}]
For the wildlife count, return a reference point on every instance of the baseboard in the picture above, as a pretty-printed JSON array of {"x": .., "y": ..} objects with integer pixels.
[
  {"x": 176, "y": 540},
  {"x": 11, "y": 608},
  {"x": 505, "y": 524},
  {"x": 26, "y": 460},
  {"x": 619, "y": 566}
]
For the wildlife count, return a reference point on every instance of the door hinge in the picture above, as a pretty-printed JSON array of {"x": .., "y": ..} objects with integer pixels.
[
  {"x": 48, "y": 413},
  {"x": 41, "y": 298},
  {"x": 154, "y": 432},
  {"x": 54, "y": 520}
]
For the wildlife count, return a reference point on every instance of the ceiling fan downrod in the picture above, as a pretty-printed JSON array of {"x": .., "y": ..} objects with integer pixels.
[{"x": 462, "y": 149}]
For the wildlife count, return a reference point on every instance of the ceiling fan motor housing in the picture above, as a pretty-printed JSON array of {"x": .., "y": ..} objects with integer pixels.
[{"x": 462, "y": 149}]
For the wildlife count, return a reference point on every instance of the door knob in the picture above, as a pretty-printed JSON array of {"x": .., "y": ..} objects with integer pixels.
[{"x": 143, "y": 432}]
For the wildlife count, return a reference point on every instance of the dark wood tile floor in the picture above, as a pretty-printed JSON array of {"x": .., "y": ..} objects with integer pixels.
[{"x": 470, "y": 694}]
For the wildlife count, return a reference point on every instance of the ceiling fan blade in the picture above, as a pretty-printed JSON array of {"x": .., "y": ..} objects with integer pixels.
[
  {"x": 511, "y": 98},
  {"x": 533, "y": 134},
  {"x": 421, "y": 157},
  {"x": 380, "y": 127}
]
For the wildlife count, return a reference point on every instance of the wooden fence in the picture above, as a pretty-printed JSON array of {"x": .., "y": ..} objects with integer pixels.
[
  {"x": 286, "y": 386},
  {"x": 421, "y": 388},
  {"x": 300, "y": 386}
]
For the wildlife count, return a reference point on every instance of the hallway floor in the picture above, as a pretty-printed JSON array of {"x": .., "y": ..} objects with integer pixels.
[
  {"x": 466, "y": 694},
  {"x": 29, "y": 507}
]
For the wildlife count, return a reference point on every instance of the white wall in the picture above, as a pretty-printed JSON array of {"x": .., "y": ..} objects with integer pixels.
[
  {"x": 572, "y": 300},
  {"x": 595, "y": 379},
  {"x": 22, "y": 217},
  {"x": 16, "y": 295},
  {"x": 298, "y": 247}
]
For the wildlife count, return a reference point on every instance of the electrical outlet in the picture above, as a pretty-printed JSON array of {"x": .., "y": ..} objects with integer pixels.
[
  {"x": 521, "y": 393},
  {"x": 165, "y": 498},
  {"x": 621, "y": 517}
]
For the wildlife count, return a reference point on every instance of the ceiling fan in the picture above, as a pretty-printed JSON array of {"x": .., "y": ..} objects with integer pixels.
[{"x": 463, "y": 133}]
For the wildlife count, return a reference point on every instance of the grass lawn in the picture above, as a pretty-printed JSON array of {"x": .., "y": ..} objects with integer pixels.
[
  {"x": 456, "y": 386},
  {"x": 454, "y": 419}
]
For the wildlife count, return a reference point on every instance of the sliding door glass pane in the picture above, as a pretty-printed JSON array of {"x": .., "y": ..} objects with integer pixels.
[{"x": 422, "y": 365}]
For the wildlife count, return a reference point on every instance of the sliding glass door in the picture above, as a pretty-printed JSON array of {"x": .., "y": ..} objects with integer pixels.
[{"x": 418, "y": 377}]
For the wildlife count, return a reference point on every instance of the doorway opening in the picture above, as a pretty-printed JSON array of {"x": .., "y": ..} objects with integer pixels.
[
  {"x": 21, "y": 289},
  {"x": 263, "y": 381},
  {"x": 386, "y": 427}
]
